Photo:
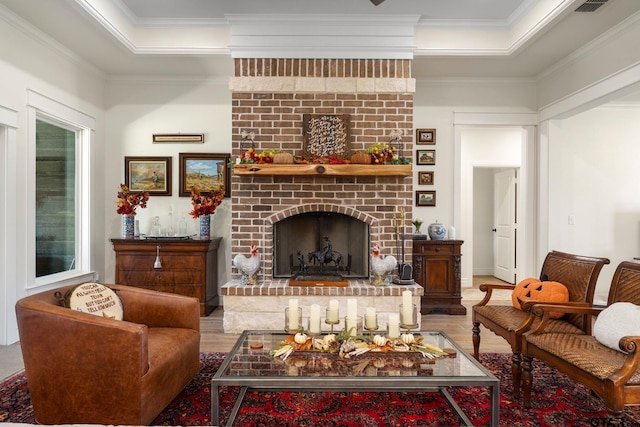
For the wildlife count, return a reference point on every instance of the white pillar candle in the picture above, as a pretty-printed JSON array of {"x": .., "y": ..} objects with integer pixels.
[
  {"x": 333, "y": 313},
  {"x": 394, "y": 325},
  {"x": 314, "y": 319},
  {"x": 294, "y": 322},
  {"x": 352, "y": 308},
  {"x": 370, "y": 318},
  {"x": 351, "y": 325},
  {"x": 407, "y": 308}
]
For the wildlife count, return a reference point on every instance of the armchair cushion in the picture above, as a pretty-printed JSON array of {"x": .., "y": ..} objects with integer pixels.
[
  {"x": 94, "y": 298},
  {"x": 535, "y": 290},
  {"x": 618, "y": 320}
]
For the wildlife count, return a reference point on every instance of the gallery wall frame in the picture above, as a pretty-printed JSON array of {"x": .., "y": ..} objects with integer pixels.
[
  {"x": 151, "y": 174},
  {"x": 192, "y": 138},
  {"x": 425, "y": 136},
  {"x": 425, "y": 198},
  {"x": 426, "y": 157},
  {"x": 206, "y": 171},
  {"x": 426, "y": 177}
]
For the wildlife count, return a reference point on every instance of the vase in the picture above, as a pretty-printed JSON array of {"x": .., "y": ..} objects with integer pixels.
[
  {"x": 128, "y": 226},
  {"x": 437, "y": 231},
  {"x": 205, "y": 227}
]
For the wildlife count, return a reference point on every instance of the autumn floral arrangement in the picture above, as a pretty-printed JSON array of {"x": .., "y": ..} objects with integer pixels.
[
  {"x": 128, "y": 202},
  {"x": 348, "y": 346},
  {"x": 203, "y": 204}
]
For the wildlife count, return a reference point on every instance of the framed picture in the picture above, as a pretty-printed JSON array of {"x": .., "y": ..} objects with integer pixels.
[
  {"x": 179, "y": 137},
  {"x": 426, "y": 178},
  {"x": 326, "y": 134},
  {"x": 426, "y": 157},
  {"x": 425, "y": 136},
  {"x": 152, "y": 174},
  {"x": 204, "y": 171},
  {"x": 425, "y": 198}
]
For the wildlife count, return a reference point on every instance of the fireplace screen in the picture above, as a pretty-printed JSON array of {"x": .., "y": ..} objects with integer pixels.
[{"x": 321, "y": 242}]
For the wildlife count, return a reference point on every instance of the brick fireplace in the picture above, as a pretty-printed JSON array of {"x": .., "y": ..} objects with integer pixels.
[{"x": 270, "y": 97}]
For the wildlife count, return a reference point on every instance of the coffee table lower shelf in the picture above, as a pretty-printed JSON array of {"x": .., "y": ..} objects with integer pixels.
[{"x": 215, "y": 410}]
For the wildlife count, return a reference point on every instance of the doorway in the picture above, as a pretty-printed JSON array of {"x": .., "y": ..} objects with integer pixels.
[{"x": 494, "y": 147}]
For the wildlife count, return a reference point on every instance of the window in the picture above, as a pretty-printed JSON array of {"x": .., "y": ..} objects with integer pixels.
[
  {"x": 59, "y": 139},
  {"x": 55, "y": 198}
]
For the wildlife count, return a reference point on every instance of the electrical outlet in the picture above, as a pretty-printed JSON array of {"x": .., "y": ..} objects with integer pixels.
[{"x": 572, "y": 220}]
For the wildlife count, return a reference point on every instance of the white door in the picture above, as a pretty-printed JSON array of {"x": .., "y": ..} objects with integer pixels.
[{"x": 505, "y": 227}]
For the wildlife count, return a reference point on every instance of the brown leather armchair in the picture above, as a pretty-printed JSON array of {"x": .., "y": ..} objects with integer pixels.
[
  {"x": 578, "y": 273},
  {"x": 87, "y": 369}
]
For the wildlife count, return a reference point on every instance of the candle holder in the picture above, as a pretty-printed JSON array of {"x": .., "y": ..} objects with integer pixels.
[
  {"x": 408, "y": 317},
  {"x": 332, "y": 318},
  {"x": 371, "y": 329},
  {"x": 353, "y": 326},
  {"x": 309, "y": 330},
  {"x": 293, "y": 324}
]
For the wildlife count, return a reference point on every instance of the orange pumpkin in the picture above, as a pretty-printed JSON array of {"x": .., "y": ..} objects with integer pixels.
[{"x": 532, "y": 289}]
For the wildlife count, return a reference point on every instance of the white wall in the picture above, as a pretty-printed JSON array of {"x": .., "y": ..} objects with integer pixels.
[
  {"x": 136, "y": 109},
  {"x": 593, "y": 163},
  {"x": 28, "y": 63}
]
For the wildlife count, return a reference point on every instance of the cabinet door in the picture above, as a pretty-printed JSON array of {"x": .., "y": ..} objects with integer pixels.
[{"x": 438, "y": 280}]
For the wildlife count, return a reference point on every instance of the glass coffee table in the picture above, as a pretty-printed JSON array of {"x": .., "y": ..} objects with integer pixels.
[{"x": 249, "y": 365}]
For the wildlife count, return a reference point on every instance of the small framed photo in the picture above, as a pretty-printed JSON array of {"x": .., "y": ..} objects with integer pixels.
[
  {"x": 425, "y": 198},
  {"x": 426, "y": 178},
  {"x": 426, "y": 157},
  {"x": 204, "y": 171},
  {"x": 152, "y": 174},
  {"x": 425, "y": 136}
]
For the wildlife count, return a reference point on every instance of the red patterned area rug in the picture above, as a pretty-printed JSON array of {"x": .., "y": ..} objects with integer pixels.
[{"x": 558, "y": 401}]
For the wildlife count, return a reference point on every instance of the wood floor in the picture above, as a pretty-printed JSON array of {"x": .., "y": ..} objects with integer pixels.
[
  {"x": 457, "y": 327},
  {"x": 214, "y": 339}
]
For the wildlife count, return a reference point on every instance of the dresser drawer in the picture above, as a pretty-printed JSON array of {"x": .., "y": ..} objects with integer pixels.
[
  {"x": 160, "y": 277},
  {"x": 147, "y": 260},
  {"x": 419, "y": 249},
  {"x": 187, "y": 291}
]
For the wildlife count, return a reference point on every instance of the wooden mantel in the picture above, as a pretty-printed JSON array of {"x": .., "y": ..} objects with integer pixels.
[{"x": 270, "y": 169}]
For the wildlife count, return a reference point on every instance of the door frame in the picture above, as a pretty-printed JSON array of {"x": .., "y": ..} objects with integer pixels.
[{"x": 463, "y": 206}]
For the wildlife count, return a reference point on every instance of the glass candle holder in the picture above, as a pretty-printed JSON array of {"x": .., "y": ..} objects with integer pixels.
[
  {"x": 353, "y": 326},
  {"x": 408, "y": 316},
  {"x": 293, "y": 321}
]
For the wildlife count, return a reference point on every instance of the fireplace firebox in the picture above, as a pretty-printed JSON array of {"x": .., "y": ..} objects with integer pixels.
[{"x": 316, "y": 242}]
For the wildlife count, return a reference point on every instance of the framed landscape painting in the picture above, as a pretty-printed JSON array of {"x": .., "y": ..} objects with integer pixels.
[
  {"x": 205, "y": 171},
  {"x": 426, "y": 157},
  {"x": 152, "y": 174},
  {"x": 425, "y": 198}
]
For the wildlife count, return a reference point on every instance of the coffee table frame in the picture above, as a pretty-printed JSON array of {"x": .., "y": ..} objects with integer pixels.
[{"x": 352, "y": 383}]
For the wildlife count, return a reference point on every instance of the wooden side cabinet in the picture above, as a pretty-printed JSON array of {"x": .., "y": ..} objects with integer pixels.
[
  {"x": 436, "y": 267},
  {"x": 187, "y": 267}
]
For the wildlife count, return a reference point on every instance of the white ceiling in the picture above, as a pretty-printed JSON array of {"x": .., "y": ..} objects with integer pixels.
[{"x": 190, "y": 38}]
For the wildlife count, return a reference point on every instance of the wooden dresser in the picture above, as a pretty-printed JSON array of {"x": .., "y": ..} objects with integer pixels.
[
  {"x": 436, "y": 267},
  {"x": 188, "y": 267}
]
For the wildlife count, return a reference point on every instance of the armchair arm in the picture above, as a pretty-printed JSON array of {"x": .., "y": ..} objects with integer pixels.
[
  {"x": 488, "y": 288},
  {"x": 53, "y": 337},
  {"x": 542, "y": 311},
  {"x": 629, "y": 345},
  {"x": 159, "y": 309}
]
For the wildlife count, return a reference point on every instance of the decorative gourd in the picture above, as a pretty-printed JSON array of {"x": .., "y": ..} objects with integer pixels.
[
  {"x": 379, "y": 340},
  {"x": 532, "y": 289},
  {"x": 283, "y": 158},
  {"x": 300, "y": 338},
  {"x": 407, "y": 338},
  {"x": 361, "y": 158}
]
